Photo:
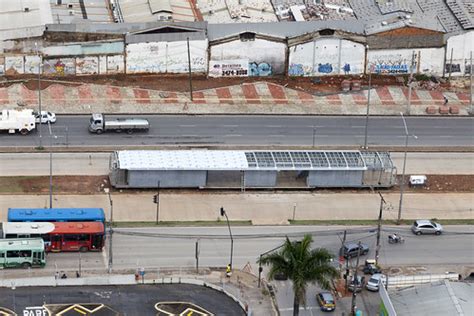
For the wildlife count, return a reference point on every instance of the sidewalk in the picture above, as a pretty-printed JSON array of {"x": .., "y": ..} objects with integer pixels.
[
  {"x": 241, "y": 286},
  {"x": 261, "y": 208},
  {"x": 248, "y": 98}
]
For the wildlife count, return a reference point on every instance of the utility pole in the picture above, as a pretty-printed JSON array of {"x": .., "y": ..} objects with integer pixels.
[
  {"x": 189, "y": 70},
  {"x": 402, "y": 184},
  {"x": 224, "y": 213},
  {"x": 39, "y": 95},
  {"x": 410, "y": 80},
  {"x": 111, "y": 231},
  {"x": 353, "y": 305},
  {"x": 450, "y": 65},
  {"x": 471, "y": 71},
  {"x": 156, "y": 199},
  {"x": 50, "y": 165},
  {"x": 346, "y": 260},
  {"x": 196, "y": 254},
  {"x": 368, "y": 102},
  {"x": 379, "y": 228}
]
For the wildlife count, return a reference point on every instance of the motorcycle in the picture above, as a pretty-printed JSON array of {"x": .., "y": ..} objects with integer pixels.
[{"x": 395, "y": 239}]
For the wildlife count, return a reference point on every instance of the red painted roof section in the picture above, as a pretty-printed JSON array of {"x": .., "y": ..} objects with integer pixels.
[{"x": 77, "y": 228}]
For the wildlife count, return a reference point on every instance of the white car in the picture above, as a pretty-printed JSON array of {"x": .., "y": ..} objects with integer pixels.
[
  {"x": 375, "y": 281},
  {"x": 45, "y": 117}
]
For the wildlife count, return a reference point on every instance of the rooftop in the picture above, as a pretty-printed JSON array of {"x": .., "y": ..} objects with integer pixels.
[
  {"x": 250, "y": 160},
  {"x": 153, "y": 10},
  {"x": 440, "y": 299},
  {"x": 237, "y": 11}
]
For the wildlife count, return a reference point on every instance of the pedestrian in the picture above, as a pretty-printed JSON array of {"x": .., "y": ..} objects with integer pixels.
[
  {"x": 56, "y": 275},
  {"x": 228, "y": 271},
  {"x": 445, "y": 100}
]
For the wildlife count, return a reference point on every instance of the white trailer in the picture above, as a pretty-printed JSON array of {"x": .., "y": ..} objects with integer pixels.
[
  {"x": 98, "y": 124},
  {"x": 13, "y": 121}
]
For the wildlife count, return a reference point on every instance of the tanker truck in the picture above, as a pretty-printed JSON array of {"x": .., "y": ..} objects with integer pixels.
[{"x": 99, "y": 124}]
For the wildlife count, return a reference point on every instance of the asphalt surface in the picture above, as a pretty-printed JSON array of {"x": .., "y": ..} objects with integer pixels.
[
  {"x": 259, "y": 130},
  {"x": 127, "y": 300},
  {"x": 175, "y": 246}
]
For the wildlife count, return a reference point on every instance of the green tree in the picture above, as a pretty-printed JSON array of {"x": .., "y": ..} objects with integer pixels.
[{"x": 302, "y": 265}]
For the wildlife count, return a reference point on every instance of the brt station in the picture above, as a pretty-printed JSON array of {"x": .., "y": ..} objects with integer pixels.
[{"x": 244, "y": 169}]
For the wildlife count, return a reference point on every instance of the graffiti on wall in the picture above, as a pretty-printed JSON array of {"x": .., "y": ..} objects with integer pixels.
[
  {"x": 115, "y": 64},
  {"x": 14, "y": 65},
  {"x": 453, "y": 68},
  {"x": 87, "y": 66},
  {"x": 2, "y": 66},
  {"x": 32, "y": 64},
  {"x": 59, "y": 66},
  {"x": 325, "y": 68},
  {"x": 260, "y": 69},
  {"x": 347, "y": 68}
]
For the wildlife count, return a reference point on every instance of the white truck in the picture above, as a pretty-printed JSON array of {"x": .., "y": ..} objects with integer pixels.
[
  {"x": 13, "y": 121},
  {"x": 98, "y": 124}
]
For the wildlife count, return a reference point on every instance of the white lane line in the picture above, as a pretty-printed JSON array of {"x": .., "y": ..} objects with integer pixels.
[
  {"x": 233, "y": 135},
  {"x": 187, "y": 125},
  {"x": 230, "y": 125},
  {"x": 274, "y": 126},
  {"x": 190, "y": 135},
  {"x": 276, "y": 135}
]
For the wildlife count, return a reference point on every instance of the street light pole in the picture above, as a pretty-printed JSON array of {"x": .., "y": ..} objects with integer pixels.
[
  {"x": 379, "y": 228},
  {"x": 189, "y": 71},
  {"x": 402, "y": 184},
  {"x": 368, "y": 102},
  {"x": 39, "y": 95},
  {"x": 410, "y": 80},
  {"x": 111, "y": 231},
  {"x": 50, "y": 165},
  {"x": 223, "y": 213}
]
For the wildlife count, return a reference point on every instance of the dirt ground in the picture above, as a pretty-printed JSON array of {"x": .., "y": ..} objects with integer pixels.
[
  {"x": 180, "y": 83},
  {"x": 96, "y": 184}
]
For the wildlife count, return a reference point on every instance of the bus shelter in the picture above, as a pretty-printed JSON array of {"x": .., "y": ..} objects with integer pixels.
[{"x": 250, "y": 169}]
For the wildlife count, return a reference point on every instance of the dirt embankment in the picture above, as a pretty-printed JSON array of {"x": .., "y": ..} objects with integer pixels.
[{"x": 96, "y": 184}]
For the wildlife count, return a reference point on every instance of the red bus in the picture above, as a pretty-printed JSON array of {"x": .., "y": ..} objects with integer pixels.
[{"x": 75, "y": 236}]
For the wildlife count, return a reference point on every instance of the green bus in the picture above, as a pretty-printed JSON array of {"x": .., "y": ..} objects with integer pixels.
[{"x": 24, "y": 253}]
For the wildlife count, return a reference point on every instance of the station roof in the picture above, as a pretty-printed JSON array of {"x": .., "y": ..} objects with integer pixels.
[
  {"x": 251, "y": 160},
  {"x": 27, "y": 228}
]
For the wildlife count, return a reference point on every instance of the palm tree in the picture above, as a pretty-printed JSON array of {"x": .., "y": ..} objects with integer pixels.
[{"x": 302, "y": 265}]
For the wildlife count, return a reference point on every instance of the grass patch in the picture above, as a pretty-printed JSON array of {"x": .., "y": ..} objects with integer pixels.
[
  {"x": 181, "y": 224},
  {"x": 14, "y": 184},
  {"x": 369, "y": 222}
]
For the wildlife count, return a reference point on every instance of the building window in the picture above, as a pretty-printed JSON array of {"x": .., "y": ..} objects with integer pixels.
[{"x": 247, "y": 36}]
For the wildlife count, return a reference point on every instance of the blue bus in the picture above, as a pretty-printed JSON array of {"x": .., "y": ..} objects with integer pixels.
[{"x": 56, "y": 215}]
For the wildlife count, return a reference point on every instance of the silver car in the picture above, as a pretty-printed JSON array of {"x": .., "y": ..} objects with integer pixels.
[{"x": 424, "y": 226}]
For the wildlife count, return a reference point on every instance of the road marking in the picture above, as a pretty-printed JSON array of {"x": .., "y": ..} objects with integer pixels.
[
  {"x": 276, "y": 126},
  {"x": 358, "y": 126},
  {"x": 190, "y": 135},
  {"x": 275, "y": 135},
  {"x": 187, "y": 125},
  {"x": 233, "y": 135},
  {"x": 230, "y": 125}
]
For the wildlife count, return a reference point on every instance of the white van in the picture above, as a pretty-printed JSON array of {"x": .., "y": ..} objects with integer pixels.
[{"x": 417, "y": 181}]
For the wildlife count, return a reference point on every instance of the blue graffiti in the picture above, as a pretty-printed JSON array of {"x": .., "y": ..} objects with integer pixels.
[
  {"x": 325, "y": 68},
  {"x": 296, "y": 70},
  {"x": 346, "y": 68},
  {"x": 263, "y": 69}
]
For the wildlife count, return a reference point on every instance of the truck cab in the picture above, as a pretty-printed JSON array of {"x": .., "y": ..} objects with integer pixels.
[{"x": 96, "y": 124}]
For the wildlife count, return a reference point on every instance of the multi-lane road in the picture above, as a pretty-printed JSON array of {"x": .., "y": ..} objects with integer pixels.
[
  {"x": 175, "y": 246},
  {"x": 259, "y": 131}
]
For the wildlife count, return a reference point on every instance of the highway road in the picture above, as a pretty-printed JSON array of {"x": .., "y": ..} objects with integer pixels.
[
  {"x": 259, "y": 131},
  {"x": 174, "y": 247}
]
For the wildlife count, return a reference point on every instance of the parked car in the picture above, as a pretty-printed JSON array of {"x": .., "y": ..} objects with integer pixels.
[
  {"x": 349, "y": 250},
  {"x": 424, "y": 226},
  {"x": 356, "y": 284},
  {"x": 370, "y": 267},
  {"x": 45, "y": 117},
  {"x": 375, "y": 281},
  {"x": 326, "y": 301}
]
